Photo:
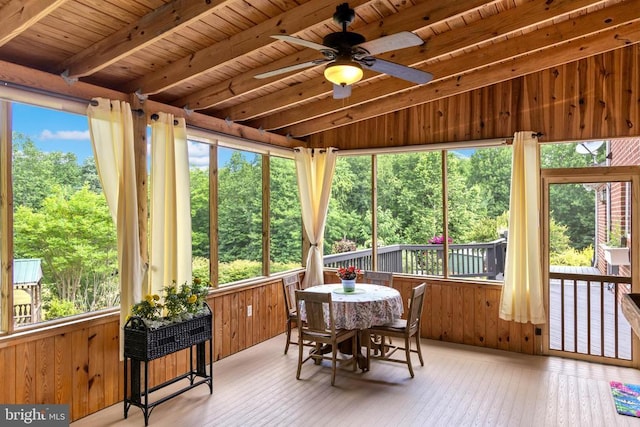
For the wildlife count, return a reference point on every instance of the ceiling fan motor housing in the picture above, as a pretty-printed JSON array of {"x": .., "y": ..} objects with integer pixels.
[{"x": 343, "y": 41}]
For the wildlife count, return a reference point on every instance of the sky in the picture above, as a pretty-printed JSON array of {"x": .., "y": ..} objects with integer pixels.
[{"x": 53, "y": 130}]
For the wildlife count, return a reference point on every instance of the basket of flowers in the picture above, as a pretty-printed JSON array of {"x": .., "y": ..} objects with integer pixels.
[{"x": 160, "y": 326}]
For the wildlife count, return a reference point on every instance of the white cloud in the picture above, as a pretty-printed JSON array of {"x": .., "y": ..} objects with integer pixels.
[
  {"x": 198, "y": 154},
  {"x": 76, "y": 135}
]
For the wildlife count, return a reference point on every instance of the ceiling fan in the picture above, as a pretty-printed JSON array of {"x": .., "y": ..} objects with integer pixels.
[{"x": 347, "y": 53}]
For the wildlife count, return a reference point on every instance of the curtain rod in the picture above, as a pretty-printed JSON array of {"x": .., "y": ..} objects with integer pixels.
[{"x": 495, "y": 142}]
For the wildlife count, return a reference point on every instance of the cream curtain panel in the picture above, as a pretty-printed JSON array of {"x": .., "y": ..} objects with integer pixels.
[
  {"x": 170, "y": 245},
  {"x": 314, "y": 169},
  {"x": 522, "y": 298},
  {"x": 111, "y": 129}
]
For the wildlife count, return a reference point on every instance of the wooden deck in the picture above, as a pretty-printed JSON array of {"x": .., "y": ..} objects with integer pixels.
[
  {"x": 458, "y": 386},
  {"x": 594, "y": 304}
]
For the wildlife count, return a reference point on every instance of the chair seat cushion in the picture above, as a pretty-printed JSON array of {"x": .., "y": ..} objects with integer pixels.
[{"x": 320, "y": 335}]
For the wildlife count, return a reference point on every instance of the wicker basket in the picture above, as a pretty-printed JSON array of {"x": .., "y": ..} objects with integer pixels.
[{"x": 142, "y": 343}]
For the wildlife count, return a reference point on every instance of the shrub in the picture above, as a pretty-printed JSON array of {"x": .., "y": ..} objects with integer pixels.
[
  {"x": 238, "y": 270},
  {"x": 342, "y": 246},
  {"x": 200, "y": 267},
  {"x": 573, "y": 257},
  {"x": 56, "y": 308}
]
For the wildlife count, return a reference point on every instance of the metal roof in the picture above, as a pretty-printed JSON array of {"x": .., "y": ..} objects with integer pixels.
[{"x": 27, "y": 271}]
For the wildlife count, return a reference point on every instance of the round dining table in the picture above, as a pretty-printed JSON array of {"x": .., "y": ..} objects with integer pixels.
[{"x": 367, "y": 306}]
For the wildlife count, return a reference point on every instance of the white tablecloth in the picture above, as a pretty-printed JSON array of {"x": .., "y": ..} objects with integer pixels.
[{"x": 370, "y": 305}]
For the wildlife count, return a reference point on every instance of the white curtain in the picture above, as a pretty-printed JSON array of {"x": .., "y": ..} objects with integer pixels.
[
  {"x": 170, "y": 245},
  {"x": 314, "y": 168},
  {"x": 111, "y": 129},
  {"x": 522, "y": 298}
]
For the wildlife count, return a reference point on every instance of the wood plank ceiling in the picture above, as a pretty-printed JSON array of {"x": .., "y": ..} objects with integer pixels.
[{"x": 203, "y": 55}]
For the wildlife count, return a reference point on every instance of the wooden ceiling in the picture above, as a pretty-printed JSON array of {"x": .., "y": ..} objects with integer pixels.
[{"x": 203, "y": 55}]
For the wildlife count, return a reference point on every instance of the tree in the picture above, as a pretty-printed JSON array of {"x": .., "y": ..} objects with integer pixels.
[
  {"x": 199, "y": 182},
  {"x": 76, "y": 240},
  {"x": 490, "y": 171},
  {"x": 35, "y": 172},
  {"x": 467, "y": 201},
  {"x": 573, "y": 204},
  {"x": 240, "y": 208},
  {"x": 409, "y": 187},
  {"x": 285, "y": 218}
]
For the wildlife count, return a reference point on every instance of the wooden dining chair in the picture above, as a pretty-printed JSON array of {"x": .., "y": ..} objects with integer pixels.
[
  {"x": 382, "y": 278},
  {"x": 290, "y": 284},
  {"x": 317, "y": 330},
  {"x": 403, "y": 329}
]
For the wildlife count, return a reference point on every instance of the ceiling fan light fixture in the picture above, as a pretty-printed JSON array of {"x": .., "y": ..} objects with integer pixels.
[{"x": 343, "y": 72}]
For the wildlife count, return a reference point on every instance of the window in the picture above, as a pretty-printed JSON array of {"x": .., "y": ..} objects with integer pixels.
[
  {"x": 65, "y": 250},
  {"x": 478, "y": 187},
  {"x": 285, "y": 219},
  {"x": 239, "y": 215},
  {"x": 200, "y": 229},
  {"x": 411, "y": 214},
  {"x": 348, "y": 226}
]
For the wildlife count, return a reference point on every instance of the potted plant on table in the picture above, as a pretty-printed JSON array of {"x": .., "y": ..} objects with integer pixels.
[{"x": 348, "y": 277}]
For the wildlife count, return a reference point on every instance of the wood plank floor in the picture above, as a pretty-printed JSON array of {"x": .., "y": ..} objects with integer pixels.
[{"x": 458, "y": 386}]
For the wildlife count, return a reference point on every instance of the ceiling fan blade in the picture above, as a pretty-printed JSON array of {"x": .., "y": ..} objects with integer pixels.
[
  {"x": 302, "y": 42},
  {"x": 397, "y": 70},
  {"x": 290, "y": 68},
  {"x": 395, "y": 41},
  {"x": 341, "y": 92}
]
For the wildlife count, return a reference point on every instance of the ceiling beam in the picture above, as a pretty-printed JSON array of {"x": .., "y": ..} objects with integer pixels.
[
  {"x": 152, "y": 27},
  {"x": 289, "y": 22},
  {"x": 41, "y": 81},
  {"x": 439, "y": 46},
  {"x": 19, "y": 15},
  {"x": 420, "y": 16},
  {"x": 558, "y": 55}
]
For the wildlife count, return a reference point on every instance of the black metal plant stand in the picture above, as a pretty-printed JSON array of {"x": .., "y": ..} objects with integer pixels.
[{"x": 143, "y": 345}]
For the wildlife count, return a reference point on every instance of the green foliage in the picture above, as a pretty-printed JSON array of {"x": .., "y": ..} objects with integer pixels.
[
  {"x": 416, "y": 209},
  {"x": 283, "y": 266},
  {"x": 485, "y": 230},
  {"x": 573, "y": 204},
  {"x": 490, "y": 170},
  {"x": 189, "y": 298},
  {"x": 573, "y": 257},
  {"x": 200, "y": 266},
  {"x": 199, "y": 183},
  {"x": 558, "y": 237},
  {"x": 349, "y": 215},
  {"x": 617, "y": 238},
  {"x": 240, "y": 208},
  {"x": 467, "y": 201},
  {"x": 238, "y": 270},
  {"x": 75, "y": 237},
  {"x": 149, "y": 308},
  {"x": 56, "y": 308},
  {"x": 285, "y": 217},
  {"x": 342, "y": 246},
  {"x": 36, "y": 173}
]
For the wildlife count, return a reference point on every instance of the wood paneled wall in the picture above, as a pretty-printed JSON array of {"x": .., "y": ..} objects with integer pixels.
[
  {"x": 594, "y": 98},
  {"x": 78, "y": 363},
  {"x": 466, "y": 313}
]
